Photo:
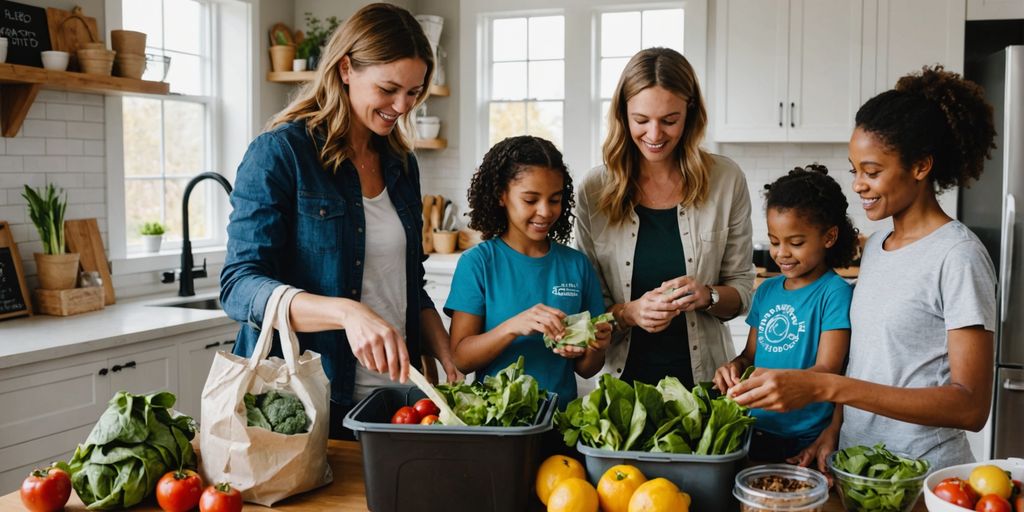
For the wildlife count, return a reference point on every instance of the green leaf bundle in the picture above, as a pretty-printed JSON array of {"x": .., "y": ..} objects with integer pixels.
[
  {"x": 509, "y": 398},
  {"x": 899, "y": 478},
  {"x": 664, "y": 418},
  {"x": 275, "y": 411},
  {"x": 133, "y": 444},
  {"x": 46, "y": 208},
  {"x": 580, "y": 330}
]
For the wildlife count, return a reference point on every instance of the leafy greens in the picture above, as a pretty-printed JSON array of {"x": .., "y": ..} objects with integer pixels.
[
  {"x": 580, "y": 330},
  {"x": 664, "y": 418},
  {"x": 509, "y": 398},
  {"x": 901, "y": 485}
]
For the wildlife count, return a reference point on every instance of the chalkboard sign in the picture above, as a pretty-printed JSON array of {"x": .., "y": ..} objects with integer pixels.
[
  {"x": 14, "y": 299},
  {"x": 26, "y": 31}
]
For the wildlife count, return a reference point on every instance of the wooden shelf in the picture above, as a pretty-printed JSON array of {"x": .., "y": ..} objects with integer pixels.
[
  {"x": 19, "y": 86},
  {"x": 430, "y": 143},
  {"x": 291, "y": 77}
]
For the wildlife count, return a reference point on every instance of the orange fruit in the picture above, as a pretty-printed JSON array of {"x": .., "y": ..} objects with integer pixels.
[
  {"x": 573, "y": 495},
  {"x": 659, "y": 495},
  {"x": 616, "y": 487},
  {"x": 555, "y": 469}
]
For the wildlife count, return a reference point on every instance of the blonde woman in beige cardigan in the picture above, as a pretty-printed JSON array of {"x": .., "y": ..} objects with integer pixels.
[{"x": 667, "y": 226}]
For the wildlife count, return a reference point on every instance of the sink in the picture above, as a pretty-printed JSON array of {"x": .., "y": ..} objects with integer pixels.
[{"x": 212, "y": 303}]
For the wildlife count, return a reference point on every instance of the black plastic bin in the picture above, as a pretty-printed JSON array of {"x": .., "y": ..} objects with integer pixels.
[{"x": 425, "y": 468}]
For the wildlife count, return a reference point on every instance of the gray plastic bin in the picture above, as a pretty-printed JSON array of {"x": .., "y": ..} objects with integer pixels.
[
  {"x": 425, "y": 468},
  {"x": 708, "y": 479}
]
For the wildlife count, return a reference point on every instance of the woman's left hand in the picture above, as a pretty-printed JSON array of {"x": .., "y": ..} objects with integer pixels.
[
  {"x": 777, "y": 390},
  {"x": 686, "y": 293}
]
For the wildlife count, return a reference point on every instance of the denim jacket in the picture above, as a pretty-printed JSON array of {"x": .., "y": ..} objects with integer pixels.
[{"x": 296, "y": 223}]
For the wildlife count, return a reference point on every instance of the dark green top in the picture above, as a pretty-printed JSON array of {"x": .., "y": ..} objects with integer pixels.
[{"x": 658, "y": 258}]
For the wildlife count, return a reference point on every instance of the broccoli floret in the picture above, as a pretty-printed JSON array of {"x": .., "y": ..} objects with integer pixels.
[
  {"x": 284, "y": 411},
  {"x": 253, "y": 415}
]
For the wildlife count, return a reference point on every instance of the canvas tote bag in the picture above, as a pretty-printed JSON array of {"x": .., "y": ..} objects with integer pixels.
[{"x": 266, "y": 466}]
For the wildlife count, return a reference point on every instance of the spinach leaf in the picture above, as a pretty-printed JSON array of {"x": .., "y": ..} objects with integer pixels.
[
  {"x": 899, "y": 478},
  {"x": 508, "y": 398}
]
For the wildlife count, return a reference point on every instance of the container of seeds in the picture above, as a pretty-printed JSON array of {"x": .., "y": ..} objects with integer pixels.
[{"x": 780, "y": 488}]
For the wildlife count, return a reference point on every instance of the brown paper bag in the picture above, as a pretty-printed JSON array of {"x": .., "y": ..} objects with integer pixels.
[{"x": 266, "y": 466}]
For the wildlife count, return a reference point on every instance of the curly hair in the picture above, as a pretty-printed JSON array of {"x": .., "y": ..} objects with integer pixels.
[
  {"x": 812, "y": 194},
  {"x": 501, "y": 166},
  {"x": 934, "y": 113}
]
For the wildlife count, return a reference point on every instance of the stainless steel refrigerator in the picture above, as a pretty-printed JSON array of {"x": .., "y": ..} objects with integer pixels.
[{"x": 994, "y": 209}]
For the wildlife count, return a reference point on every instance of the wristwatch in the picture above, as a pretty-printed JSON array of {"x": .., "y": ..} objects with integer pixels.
[{"x": 714, "y": 297}]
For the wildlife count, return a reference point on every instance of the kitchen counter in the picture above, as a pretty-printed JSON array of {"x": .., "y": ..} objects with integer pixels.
[
  {"x": 42, "y": 337},
  {"x": 345, "y": 494}
]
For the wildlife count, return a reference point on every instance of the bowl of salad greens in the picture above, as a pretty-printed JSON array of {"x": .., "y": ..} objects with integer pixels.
[{"x": 873, "y": 478}]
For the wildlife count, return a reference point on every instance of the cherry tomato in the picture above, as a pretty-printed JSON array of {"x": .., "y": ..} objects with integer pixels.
[
  {"x": 957, "y": 492},
  {"x": 179, "y": 491},
  {"x": 406, "y": 415},
  {"x": 429, "y": 419},
  {"x": 46, "y": 490},
  {"x": 993, "y": 503},
  {"x": 220, "y": 498},
  {"x": 989, "y": 479},
  {"x": 426, "y": 407}
]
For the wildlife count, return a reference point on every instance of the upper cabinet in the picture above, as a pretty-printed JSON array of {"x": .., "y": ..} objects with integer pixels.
[{"x": 787, "y": 70}]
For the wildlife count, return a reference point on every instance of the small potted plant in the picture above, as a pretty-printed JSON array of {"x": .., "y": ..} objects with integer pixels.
[
  {"x": 316, "y": 37},
  {"x": 282, "y": 53},
  {"x": 56, "y": 268},
  {"x": 152, "y": 234}
]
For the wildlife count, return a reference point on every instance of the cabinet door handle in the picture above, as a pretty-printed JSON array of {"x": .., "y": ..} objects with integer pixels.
[
  {"x": 130, "y": 364},
  {"x": 1013, "y": 385},
  {"x": 792, "y": 115},
  {"x": 227, "y": 343},
  {"x": 780, "y": 114},
  {"x": 116, "y": 368},
  {"x": 103, "y": 371},
  {"x": 211, "y": 345}
]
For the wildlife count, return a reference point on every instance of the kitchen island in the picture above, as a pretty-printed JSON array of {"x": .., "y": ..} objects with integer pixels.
[{"x": 345, "y": 494}]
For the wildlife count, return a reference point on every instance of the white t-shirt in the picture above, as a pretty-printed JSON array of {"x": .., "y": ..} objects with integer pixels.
[
  {"x": 904, "y": 303},
  {"x": 384, "y": 279}
]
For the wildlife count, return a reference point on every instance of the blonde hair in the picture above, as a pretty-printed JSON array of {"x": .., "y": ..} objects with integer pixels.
[
  {"x": 666, "y": 68},
  {"x": 376, "y": 34}
]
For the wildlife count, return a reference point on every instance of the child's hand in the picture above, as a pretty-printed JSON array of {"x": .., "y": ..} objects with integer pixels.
[
  {"x": 728, "y": 375},
  {"x": 538, "y": 319},
  {"x": 570, "y": 351}
]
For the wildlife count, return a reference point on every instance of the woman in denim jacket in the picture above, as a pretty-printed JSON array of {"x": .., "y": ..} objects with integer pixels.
[
  {"x": 667, "y": 225},
  {"x": 328, "y": 200}
]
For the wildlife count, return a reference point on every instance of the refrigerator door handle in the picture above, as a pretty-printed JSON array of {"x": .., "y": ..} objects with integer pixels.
[
  {"x": 1006, "y": 259},
  {"x": 1013, "y": 385}
]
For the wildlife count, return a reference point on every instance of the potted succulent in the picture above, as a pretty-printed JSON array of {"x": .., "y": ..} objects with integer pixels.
[
  {"x": 316, "y": 37},
  {"x": 282, "y": 53},
  {"x": 56, "y": 268},
  {"x": 152, "y": 234}
]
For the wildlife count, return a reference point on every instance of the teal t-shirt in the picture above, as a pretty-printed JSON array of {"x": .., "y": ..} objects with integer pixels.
[
  {"x": 496, "y": 282},
  {"x": 789, "y": 324}
]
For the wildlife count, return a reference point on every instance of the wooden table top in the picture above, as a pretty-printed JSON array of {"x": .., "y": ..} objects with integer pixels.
[{"x": 345, "y": 494}]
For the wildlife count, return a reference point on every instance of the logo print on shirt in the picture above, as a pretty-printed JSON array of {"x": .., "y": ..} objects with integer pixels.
[
  {"x": 780, "y": 329},
  {"x": 566, "y": 290}
]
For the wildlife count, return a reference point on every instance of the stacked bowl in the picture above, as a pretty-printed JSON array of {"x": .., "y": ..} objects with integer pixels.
[
  {"x": 131, "y": 52},
  {"x": 95, "y": 59}
]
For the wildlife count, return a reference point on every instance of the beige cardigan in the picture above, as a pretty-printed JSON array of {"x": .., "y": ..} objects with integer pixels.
[{"x": 716, "y": 239}]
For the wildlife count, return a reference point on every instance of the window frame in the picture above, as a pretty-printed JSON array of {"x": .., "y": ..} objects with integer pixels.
[{"x": 582, "y": 114}]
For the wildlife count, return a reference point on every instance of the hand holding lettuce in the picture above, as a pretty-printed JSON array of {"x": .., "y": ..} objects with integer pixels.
[
  {"x": 580, "y": 330},
  {"x": 663, "y": 418}
]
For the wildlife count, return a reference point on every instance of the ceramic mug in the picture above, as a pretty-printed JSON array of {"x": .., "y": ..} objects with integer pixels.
[{"x": 55, "y": 60}]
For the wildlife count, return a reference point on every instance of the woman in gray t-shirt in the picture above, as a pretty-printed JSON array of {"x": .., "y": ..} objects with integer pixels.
[{"x": 923, "y": 311}]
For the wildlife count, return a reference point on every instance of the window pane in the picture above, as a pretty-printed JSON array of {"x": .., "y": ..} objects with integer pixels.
[
  {"x": 143, "y": 16},
  {"x": 547, "y": 38},
  {"x": 506, "y": 120},
  {"x": 184, "y": 124},
  {"x": 544, "y": 119},
  {"x": 620, "y": 34},
  {"x": 141, "y": 131},
  {"x": 508, "y": 81},
  {"x": 143, "y": 201},
  {"x": 185, "y": 74},
  {"x": 182, "y": 22},
  {"x": 610, "y": 71},
  {"x": 509, "y": 39},
  {"x": 663, "y": 28},
  {"x": 198, "y": 209},
  {"x": 547, "y": 80}
]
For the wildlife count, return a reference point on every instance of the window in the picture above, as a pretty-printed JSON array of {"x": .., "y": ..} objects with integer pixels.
[
  {"x": 527, "y": 78},
  {"x": 167, "y": 141}
]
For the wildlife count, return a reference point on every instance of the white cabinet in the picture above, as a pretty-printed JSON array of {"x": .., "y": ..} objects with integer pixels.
[
  {"x": 995, "y": 10},
  {"x": 787, "y": 70},
  {"x": 901, "y": 36}
]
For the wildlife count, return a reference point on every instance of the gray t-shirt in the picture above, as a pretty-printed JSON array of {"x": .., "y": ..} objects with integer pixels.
[{"x": 904, "y": 302}]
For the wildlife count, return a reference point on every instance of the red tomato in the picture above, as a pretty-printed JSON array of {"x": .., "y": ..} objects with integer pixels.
[
  {"x": 1018, "y": 503},
  {"x": 220, "y": 498},
  {"x": 46, "y": 490},
  {"x": 406, "y": 415},
  {"x": 179, "y": 491},
  {"x": 992, "y": 503},
  {"x": 429, "y": 419},
  {"x": 957, "y": 492},
  {"x": 426, "y": 407}
]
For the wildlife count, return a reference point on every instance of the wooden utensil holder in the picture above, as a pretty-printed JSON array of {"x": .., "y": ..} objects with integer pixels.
[{"x": 69, "y": 302}]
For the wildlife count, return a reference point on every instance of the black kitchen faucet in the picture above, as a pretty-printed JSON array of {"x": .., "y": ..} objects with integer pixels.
[{"x": 188, "y": 273}]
